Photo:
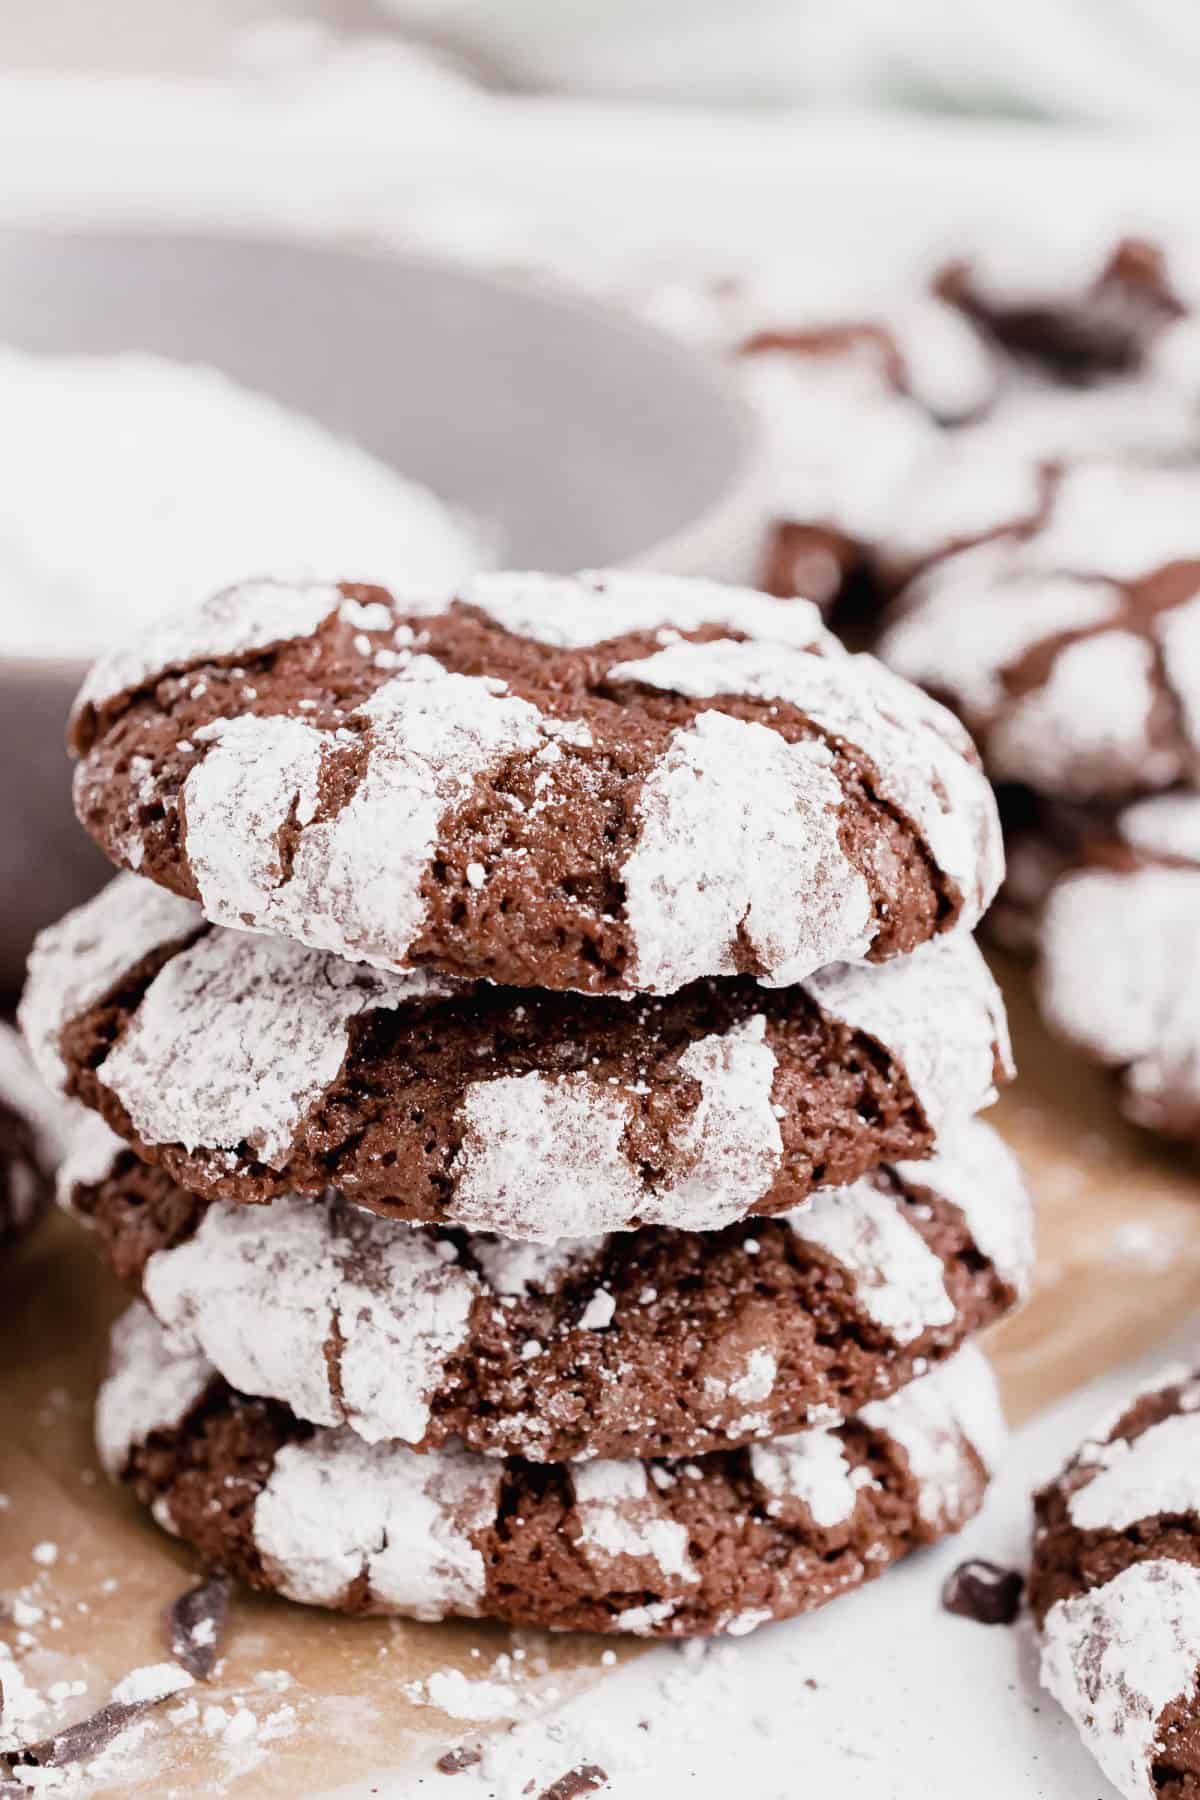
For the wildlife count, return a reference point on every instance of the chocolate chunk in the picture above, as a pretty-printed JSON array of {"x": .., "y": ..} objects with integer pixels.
[
  {"x": 196, "y": 1623},
  {"x": 985, "y": 1592},
  {"x": 586, "y": 1779},
  {"x": 455, "y": 1761}
]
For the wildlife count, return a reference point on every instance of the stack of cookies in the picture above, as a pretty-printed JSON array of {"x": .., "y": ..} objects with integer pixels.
[{"x": 533, "y": 1057}]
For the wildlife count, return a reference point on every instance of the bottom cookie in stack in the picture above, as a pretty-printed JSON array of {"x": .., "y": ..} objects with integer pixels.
[
  {"x": 1115, "y": 1591},
  {"x": 761, "y": 1418},
  {"x": 721, "y": 1543}
]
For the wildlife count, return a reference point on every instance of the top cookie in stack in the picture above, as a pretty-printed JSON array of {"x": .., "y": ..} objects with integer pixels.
[{"x": 614, "y": 908}]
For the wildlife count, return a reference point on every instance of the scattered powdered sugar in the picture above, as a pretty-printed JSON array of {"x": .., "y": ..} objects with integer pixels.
[
  {"x": 145, "y": 453},
  {"x": 463, "y": 1697},
  {"x": 1116, "y": 1656},
  {"x": 76, "y": 962},
  {"x": 237, "y": 1036},
  {"x": 1166, "y": 825},
  {"x": 938, "y": 1014},
  {"x": 976, "y": 1171},
  {"x": 514, "y": 1266},
  {"x": 919, "y": 754},
  {"x": 711, "y": 871},
  {"x": 938, "y": 1421},
  {"x": 346, "y": 1317},
  {"x": 336, "y": 1512},
  {"x": 898, "y": 1281},
  {"x": 1119, "y": 971},
  {"x": 621, "y": 1515},
  {"x": 151, "y": 1385},
  {"x": 1156, "y": 1472},
  {"x": 573, "y": 612},
  {"x": 252, "y": 616}
]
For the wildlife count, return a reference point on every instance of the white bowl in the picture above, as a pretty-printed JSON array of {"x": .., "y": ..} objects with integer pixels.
[{"x": 577, "y": 435}]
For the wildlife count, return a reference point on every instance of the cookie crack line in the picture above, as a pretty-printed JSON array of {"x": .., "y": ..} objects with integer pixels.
[{"x": 519, "y": 785}]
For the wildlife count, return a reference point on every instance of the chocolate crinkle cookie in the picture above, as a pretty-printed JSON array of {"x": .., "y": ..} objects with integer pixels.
[
  {"x": 853, "y": 386},
  {"x": 1069, "y": 643},
  {"x": 610, "y": 783},
  {"x": 250, "y": 1066},
  {"x": 34, "y": 1129},
  {"x": 647, "y": 1343},
  {"x": 656, "y": 1548},
  {"x": 1119, "y": 956},
  {"x": 1115, "y": 1591}
]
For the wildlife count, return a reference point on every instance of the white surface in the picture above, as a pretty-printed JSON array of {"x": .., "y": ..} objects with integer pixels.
[{"x": 910, "y": 1703}]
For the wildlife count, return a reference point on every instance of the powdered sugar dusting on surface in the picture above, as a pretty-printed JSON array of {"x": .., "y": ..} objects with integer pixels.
[
  {"x": 1116, "y": 1656},
  {"x": 1120, "y": 970},
  {"x": 920, "y": 755},
  {"x": 345, "y": 1317},
  {"x": 1156, "y": 1472},
  {"x": 514, "y": 1267},
  {"x": 91, "y": 1156},
  {"x": 236, "y": 1037},
  {"x": 1120, "y": 522},
  {"x": 151, "y": 1385},
  {"x": 354, "y": 886},
  {"x": 939, "y": 1015},
  {"x": 976, "y": 1171},
  {"x": 337, "y": 1512},
  {"x": 253, "y": 616},
  {"x": 620, "y": 1515},
  {"x": 78, "y": 961},
  {"x": 573, "y": 612},
  {"x": 897, "y": 1280},
  {"x": 938, "y": 1421},
  {"x": 733, "y": 825}
]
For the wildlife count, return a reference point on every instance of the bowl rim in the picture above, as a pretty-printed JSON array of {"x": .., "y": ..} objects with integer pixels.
[{"x": 736, "y": 513}]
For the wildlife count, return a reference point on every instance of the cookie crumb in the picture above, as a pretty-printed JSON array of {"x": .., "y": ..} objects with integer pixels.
[{"x": 985, "y": 1592}]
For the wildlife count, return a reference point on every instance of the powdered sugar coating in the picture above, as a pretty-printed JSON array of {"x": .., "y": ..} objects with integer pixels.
[
  {"x": 810, "y": 1467},
  {"x": 81, "y": 958},
  {"x": 940, "y": 1421},
  {"x": 252, "y": 616},
  {"x": 544, "y": 1156},
  {"x": 1116, "y": 1656},
  {"x": 573, "y": 612},
  {"x": 337, "y": 1513},
  {"x": 686, "y": 916},
  {"x": 938, "y": 1012},
  {"x": 976, "y": 1171},
  {"x": 354, "y": 885},
  {"x": 621, "y": 1517},
  {"x": 920, "y": 756},
  {"x": 233, "y": 1049},
  {"x": 52, "y": 1119},
  {"x": 1119, "y": 974},
  {"x": 151, "y": 1385},
  {"x": 1092, "y": 716},
  {"x": 898, "y": 1281},
  {"x": 1084, "y": 717},
  {"x": 1164, "y": 825},
  {"x": 91, "y": 1156},
  {"x": 347, "y": 1318},
  {"x": 1156, "y": 1472}
]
